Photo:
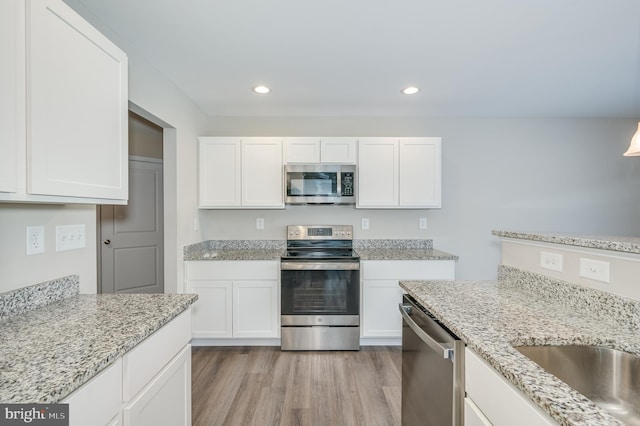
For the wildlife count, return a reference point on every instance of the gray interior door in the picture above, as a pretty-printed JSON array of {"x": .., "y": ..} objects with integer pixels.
[{"x": 131, "y": 236}]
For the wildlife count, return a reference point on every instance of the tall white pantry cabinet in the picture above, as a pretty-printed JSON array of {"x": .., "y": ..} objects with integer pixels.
[{"x": 63, "y": 109}]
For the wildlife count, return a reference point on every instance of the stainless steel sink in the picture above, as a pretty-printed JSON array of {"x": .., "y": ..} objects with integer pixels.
[{"x": 608, "y": 377}]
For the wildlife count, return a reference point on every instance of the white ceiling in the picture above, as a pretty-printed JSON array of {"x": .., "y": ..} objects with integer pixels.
[{"x": 531, "y": 58}]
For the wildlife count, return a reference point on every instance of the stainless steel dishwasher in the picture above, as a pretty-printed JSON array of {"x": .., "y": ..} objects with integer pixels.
[{"x": 432, "y": 369}]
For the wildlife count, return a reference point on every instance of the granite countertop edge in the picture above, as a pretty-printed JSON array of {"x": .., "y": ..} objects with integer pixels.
[
  {"x": 80, "y": 342},
  {"x": 484, "y": 315},
  {"x": 613, "y": 243},
  {"x": 375, "y": 249},
  {"x": 404, "y": 254}
]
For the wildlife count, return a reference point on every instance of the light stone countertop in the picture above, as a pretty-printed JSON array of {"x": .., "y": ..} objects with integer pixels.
[
  {"x": 374, "y": 249},
  {"x": 404, "y": 254},
  {"x": 49, "y": 351},
  {"x": 613, "y": 243},
  {"x": 525, "y": 308}
]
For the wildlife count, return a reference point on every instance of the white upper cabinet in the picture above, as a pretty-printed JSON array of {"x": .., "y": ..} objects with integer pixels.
[
  {"x": 399, "y": 173},
  {"x": 320, "y": 150},
  {"x": 240, "y": 172},
  {"x": 302, "y": 150},
  {"x": 219, "y": 172},
  {"x": 377, "y": 173},
  {"x": 420, "y": 175},
  {"x": 262, "y": 173},
  {"x": 67, "y": 119},
  {"x": 12, "y": 90}
]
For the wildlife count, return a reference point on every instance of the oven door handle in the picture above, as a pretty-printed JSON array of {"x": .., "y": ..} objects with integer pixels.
[{"x": 319, "y": 266}]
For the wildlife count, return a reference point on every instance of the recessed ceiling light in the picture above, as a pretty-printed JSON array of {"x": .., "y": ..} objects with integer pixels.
[
  {"x": 263, "y": 90},
  {"x": 411, "y": 90}
]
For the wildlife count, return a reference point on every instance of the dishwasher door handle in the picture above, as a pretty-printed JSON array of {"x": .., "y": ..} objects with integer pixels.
[{"x": 446, "y": 350}]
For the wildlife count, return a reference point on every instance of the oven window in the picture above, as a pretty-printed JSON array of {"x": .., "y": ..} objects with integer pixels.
[{"x": 320, "y": 292}]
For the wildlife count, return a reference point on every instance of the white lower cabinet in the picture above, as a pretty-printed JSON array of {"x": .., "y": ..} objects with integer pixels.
[
  {"x": 149, "y": 385},
  {"x": 99, "y": 401},
  {"x": 473, "y": 415},
  {"x": 236, "y": 299},
  {"x": 381, "y": 292},
  {"x": 169, "y": 388},
  {"x": 493, "y": 400}
]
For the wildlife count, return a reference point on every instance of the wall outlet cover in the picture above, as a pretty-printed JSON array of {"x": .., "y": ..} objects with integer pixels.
[
  {"x": 597, "y": 270},
  {"x": 35, "y": 240},
  {"x": 551, "y": 261}
]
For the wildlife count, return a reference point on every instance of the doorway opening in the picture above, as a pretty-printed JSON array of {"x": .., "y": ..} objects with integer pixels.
[{"x": 131, "y": 247}]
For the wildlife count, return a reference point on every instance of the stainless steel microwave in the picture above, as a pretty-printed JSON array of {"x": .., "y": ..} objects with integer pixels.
[{"x": 320, "y": 183}]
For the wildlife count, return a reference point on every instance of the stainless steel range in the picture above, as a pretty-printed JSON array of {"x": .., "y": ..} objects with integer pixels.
[{"x": 320, "y": 289}]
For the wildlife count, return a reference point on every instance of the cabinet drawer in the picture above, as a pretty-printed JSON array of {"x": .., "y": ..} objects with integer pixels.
[
  {"x": 143, "y": 362},
  {"x": 232, "y": 270},
  {"x": 408, "y": 269},
  {"x": 500, "y": 401}
]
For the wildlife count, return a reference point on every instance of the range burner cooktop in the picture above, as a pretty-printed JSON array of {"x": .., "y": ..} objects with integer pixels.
[{"x": 320, "y": 242}]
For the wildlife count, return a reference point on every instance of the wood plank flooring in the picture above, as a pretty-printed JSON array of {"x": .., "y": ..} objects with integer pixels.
[{"x": 265, "y": 386}]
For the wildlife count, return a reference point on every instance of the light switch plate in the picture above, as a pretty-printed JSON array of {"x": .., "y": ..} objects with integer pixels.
[
  {"x": 365, "y": 223},
  {"x": 70, "y": 237},
  {"x": 422, "y": 223}
]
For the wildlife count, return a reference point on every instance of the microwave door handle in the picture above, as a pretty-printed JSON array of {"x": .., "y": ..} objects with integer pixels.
[{"x": 338, "y": 184}]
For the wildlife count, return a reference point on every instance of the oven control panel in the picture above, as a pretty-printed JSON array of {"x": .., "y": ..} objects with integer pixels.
[{"x": 319, "y": 232}]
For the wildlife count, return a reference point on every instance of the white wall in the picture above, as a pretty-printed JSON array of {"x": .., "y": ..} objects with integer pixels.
[
  {"x": 19, "y": 270},
  {"x": 565, "y": 175}
]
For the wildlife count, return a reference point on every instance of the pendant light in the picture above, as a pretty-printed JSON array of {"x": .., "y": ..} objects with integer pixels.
[{"x": 634, "y": 147}]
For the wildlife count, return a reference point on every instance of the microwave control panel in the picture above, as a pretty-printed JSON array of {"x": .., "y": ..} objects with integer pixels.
[{"x": 347, "y": 184}]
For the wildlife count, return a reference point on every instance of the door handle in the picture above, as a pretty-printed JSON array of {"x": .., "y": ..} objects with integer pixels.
[{"x": 107, "y": 242}]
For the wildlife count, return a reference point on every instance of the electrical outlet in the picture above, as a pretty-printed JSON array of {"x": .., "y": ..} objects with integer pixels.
[
  {"x": 595, "y": 269},
  {"x": 260, "y": 223},
  {"x": 422, "y": 223},
  {"x": 365, "y": 223},
  {"x": 551, "y": 261},
  {"x": 35, "y": 240},
  {"x": 70, "y": 237}
]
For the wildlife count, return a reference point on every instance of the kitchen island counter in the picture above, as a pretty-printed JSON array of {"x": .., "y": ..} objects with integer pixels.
[
  {"x": 522, "y": 308},
  {"x": 612, "y": 243},
  {"x": 49, "y": 351}
]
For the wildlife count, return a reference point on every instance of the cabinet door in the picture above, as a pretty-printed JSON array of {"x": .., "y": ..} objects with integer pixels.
[
  {"x": 98, "y": 401},
  {"x": 302, "y": 150},
  {"x": 262, "y": 173},
  {"x": 167, "y": 398},
  {"x": 419, "y": 168},
  {"x": 212, "y": 311},
  {"x": 77, "y": 102},
  {"x": 219, "y": 166},
  {"x": 377, "y": 172},
  {"x": 12, "y": 85},
  {"x": 380, "y": 315},
  {"x": 473, "y": 416},
  {"x": 338, "y": 150},
  {"x": 255, "y": 309}
]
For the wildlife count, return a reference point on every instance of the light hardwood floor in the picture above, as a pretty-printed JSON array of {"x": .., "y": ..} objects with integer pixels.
[{"x": 265, "y": 386}]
